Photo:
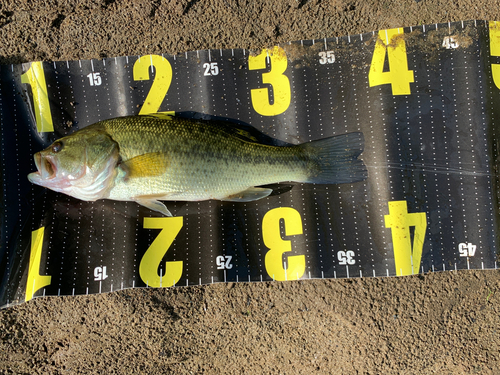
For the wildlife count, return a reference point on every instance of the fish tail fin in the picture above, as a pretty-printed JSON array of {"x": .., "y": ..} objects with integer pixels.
[{"x": 336, "y": 159}]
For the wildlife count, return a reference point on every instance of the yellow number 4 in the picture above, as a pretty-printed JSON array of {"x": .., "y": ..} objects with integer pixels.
[
  {"x": 406, "y": 257},
  {"x": 391, "y": 43}
]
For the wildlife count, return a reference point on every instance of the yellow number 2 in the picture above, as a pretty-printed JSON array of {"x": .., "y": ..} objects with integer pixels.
[
  {"x": 406, "y": 257},
  {"x": 275, "y": 77},
  {"x": 275, "y": 266},
  {"x": 391, "y": 43},
  {"x": 35, "y": 77},
  {"x": 161, "y": 83},
  {"x": 148, "y": 268}
]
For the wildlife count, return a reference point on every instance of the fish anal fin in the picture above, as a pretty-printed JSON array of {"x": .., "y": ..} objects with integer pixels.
[
  {"x": 147, "y": 165},
  {"x": 249, "y": 195},
  {"x": 152, "y": 202}
]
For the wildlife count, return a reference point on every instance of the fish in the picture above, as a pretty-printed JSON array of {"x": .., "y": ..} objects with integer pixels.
[{"x": 152, "y": 158}]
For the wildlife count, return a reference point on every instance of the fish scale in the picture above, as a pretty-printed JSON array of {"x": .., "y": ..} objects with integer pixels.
[
  {"x": 151, "y": 158},
  {"x": 205, "y": 163}
]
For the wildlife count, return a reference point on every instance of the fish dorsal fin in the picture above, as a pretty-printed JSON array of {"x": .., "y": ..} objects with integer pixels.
[
  {"x": 161, "y": 115},
  {"x": 245, "y": 132},
  {"x": 240, "y": 132},
  {"x": 146, "y": 165},
  {"x": 250, "y": 134}
]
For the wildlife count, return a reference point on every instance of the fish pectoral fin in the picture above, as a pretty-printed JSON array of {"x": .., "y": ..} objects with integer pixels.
[
  {"x": 248, "y": 195},
  {"x": 146, "y": 165},
  {"x": 153, "y": 204}
]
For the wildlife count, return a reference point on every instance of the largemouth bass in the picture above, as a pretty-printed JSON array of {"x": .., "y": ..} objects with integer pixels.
[{"x": 148, "y": 159}]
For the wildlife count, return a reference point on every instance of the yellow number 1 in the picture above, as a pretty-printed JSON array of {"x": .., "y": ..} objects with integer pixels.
[
  {"x": 495, "y": 51},
  {"x": 35, "y": 280},
  {"x": 35, "y": 77},
  {"x": 391, "y": 43}
]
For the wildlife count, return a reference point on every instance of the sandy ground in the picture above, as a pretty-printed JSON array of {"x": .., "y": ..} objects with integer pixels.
[{"x": 444, "y": 323}]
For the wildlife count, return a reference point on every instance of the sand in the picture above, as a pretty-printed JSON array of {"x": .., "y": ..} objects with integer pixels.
[{"x": 443, "y": 323}]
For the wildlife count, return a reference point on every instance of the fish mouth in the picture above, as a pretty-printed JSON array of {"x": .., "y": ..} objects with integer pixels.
[{"x": 47, "y": 169}]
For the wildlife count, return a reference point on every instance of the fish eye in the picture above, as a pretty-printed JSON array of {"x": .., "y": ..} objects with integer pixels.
[{"x": 57, "y": 146}]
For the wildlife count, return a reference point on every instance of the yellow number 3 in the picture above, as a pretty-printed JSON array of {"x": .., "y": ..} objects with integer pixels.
[
  {"x": 392, "y": 43},
  {"x": 275, "y": 266},
  {"x": 279, "y": 82}
]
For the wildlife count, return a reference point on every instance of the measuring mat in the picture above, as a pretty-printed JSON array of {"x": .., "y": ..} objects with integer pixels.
[{"x": 426, "y": 98}]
